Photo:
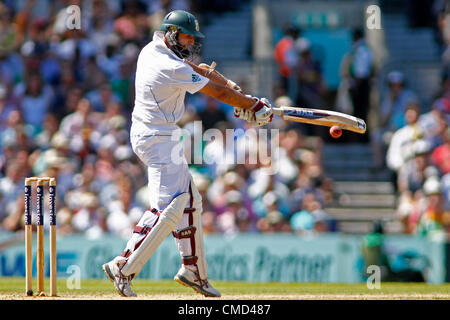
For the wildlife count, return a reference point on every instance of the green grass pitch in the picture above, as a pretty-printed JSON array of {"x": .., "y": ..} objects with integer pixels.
[{"x": 13, "y": 288}]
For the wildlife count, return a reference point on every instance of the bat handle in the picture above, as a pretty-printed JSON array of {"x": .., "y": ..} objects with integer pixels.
[{"x": 277, "y": 111}]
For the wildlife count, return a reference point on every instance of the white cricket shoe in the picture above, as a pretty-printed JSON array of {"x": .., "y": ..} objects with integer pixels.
[
  {"x": 121, "y": 282},
  {"x": 190, "y": 278}
]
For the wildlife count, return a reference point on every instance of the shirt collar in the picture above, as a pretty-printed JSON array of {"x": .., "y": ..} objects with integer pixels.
[{"x": 160, "y": 45}]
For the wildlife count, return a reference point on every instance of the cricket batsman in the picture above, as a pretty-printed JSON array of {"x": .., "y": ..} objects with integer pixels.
[{"x": 165, "y": 72}]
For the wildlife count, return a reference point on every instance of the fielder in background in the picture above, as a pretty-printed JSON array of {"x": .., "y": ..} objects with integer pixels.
[{"x": 164, "y": 74}]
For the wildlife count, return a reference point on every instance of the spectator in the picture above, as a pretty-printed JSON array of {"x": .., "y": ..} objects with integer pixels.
[
  {"x": 123, "y": 84},
  {"x": 129, "y": 24},
  {"x": 49, "y": 127},
  {"x": 108, "y": 60},
  {"x": 101, "y": 23},
  {"x": 360, "y": 71},
  {"x": 302, "y": 222},
  {"x": 89, "y": 217},
  {"x": 64, "y": 223},
  {"x": 73, "y": 124},
  {"x": 394, "y": 104},
  {"x": 216, "y": 155},
  {"x": 445, "y": 185},
  {"x": 8, "y": 40},
  {"x": 68, "y": 96},
  {"x": 443, "y": 23},
  {"x": 209, "y": 221},
  {"x": 441, "y": 155},
  {"x": 311, "y": 218},
  {"x": 227, "y": 220},
  {"x": 13, "y": 222},
  {"x": 433, "y": 218},
  {"x": 374, "y": 252},
  {"x": 102, "y": 97},
  {"x": 412, "y": 175},
  {"x": 36, "y": 100},
  {"x": 10, "y": 189},
  {"x": 311, "y": 85},
  {"x": 286, "y": 57},
  {"x": 269, "y": 202},
  {"x": 11, "y": 64},
  {"x": 433, "y": 123},
  {"x": 124, "y": 212},
  {"x": 400, "y": 148},
  {"x": 5, "y": 106},
  {"x": 445, "y": 90},
  {"x": 92, "y": 77}
]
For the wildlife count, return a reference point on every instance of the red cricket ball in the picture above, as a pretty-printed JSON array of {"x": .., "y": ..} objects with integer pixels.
[{"x": 335, "y": 132}]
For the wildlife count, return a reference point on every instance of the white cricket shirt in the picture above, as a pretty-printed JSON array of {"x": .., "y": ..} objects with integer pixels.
[{"x": 162, "y": 80}]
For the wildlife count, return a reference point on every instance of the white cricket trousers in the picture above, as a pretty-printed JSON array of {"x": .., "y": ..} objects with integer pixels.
[{"x": 168, "y": 177}]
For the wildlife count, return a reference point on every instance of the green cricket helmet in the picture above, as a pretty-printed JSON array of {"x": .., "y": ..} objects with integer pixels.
[{"x": 181, "y": 21}]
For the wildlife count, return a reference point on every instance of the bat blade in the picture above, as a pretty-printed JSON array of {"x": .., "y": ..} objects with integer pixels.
[{"x": 321, "y": 117}]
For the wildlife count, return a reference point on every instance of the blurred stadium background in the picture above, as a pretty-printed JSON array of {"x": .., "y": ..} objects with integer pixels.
[{"x": 334, "y": 207}]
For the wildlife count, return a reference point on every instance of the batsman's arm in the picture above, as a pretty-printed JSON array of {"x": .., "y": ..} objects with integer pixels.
[
  {"x": 228, "y": 95},
  {"x": 213, "y": 75},
  {"x": 219, "y": 87}
]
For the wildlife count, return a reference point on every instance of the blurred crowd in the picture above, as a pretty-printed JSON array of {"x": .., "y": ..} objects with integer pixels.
[
  {"x": 417, "y": 139},
  {"x": 66, "y": 94},
  {"x": 410, "y": 139},
  {"x": 300, "y": 73}
]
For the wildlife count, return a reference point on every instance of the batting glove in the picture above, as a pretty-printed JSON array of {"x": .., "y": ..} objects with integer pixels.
[
  {"x": 245, "y": 114},
  {"x": 263, "y": 112}
]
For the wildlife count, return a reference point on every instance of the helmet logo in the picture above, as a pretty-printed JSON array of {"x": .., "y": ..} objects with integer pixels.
[{"x": 197, "y": 28}]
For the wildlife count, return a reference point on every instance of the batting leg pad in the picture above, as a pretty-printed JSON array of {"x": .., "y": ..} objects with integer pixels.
[
  {"x": 144, "y": 226},
  {"x": 189, "y": 235},
  {"x": 168, "y": 220}
]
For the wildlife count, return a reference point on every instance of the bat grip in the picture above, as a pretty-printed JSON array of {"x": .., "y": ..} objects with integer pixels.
[{"x": 277, "y": 111}]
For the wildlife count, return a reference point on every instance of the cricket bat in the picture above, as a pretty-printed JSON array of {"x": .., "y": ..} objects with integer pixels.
[{"x": 321, "y": 118}]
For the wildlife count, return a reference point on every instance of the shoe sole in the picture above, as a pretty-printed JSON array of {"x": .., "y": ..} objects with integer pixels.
[
  {"x": 110, "y": 276},
  {"x": 185, "y": 282}
]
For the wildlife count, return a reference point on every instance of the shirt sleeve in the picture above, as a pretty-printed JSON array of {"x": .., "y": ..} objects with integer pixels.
[{"x": 186, "y": 78}]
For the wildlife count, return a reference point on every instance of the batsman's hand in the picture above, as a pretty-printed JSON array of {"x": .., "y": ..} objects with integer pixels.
[
  {"x": 263, "y": 112},
  {"x": 245, "y": 114}
]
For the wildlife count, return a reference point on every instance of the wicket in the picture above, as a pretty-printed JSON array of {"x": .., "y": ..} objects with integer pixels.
[{"x": 40, "y": 181}]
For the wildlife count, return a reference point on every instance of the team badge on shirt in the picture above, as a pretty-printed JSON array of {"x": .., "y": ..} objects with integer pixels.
[{"x": 195, "y": 78}]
